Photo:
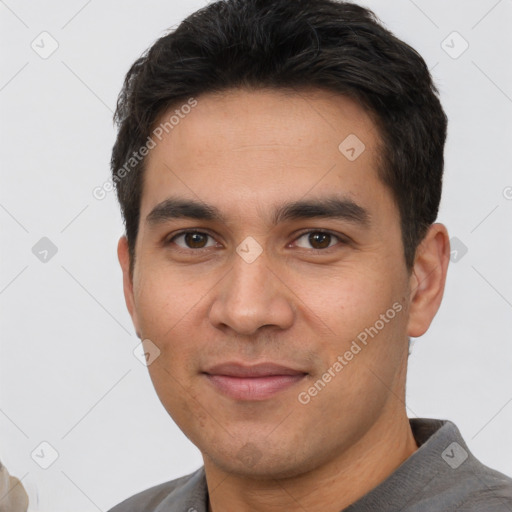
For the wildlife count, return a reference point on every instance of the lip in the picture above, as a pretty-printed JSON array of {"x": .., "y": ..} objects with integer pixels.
[{"x": 256, "y": 382}]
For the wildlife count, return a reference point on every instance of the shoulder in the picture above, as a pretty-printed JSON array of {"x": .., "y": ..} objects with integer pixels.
[
  {"x": 490, "y": 490},
  {"x": 442, "y": 474},
  {"x": 183, "y": 493},
  {"x": 462, "y": 480}
]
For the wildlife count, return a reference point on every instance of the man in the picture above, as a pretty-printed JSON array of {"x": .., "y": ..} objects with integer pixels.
[{"x": 279, "y": 168}]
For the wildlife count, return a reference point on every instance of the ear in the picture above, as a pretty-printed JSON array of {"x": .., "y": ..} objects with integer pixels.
[
  {"x": 428, "y": 279},
  {"x": 123, "y": 255}
]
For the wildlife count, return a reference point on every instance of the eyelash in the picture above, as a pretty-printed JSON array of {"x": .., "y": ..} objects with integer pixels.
[{"x": 341, "y": 240}]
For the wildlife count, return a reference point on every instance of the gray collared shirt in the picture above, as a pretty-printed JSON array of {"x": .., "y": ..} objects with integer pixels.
[{"x": 441, "y": 476}]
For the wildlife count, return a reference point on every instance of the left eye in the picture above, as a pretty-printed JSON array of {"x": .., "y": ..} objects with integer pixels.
[
  {"x": 318, "y": 240},
  {"x": 193, "y": 240}
]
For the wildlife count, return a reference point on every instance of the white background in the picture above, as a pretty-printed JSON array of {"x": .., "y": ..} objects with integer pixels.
[{"x": 68, "y": 374}]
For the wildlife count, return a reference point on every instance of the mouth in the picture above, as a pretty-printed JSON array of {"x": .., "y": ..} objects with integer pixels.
[{"x": 258, "y": 382}]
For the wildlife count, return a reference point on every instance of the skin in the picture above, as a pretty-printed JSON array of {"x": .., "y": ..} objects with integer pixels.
[{"x": 293, "y": 305}]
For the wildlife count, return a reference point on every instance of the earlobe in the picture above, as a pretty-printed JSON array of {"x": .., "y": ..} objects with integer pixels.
[
  {"x": 123, "y": 255},
  {"x": 428, "y": 279}
]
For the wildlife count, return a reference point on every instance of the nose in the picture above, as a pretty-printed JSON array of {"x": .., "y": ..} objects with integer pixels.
[{"x": 251, "y": 296}]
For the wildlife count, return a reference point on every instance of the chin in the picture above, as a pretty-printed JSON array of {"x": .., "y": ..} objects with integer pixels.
[{"x": 251, "y": 462}]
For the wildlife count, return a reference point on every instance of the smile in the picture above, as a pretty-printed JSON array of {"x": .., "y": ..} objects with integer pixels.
[{"x": 258, "y": 382}]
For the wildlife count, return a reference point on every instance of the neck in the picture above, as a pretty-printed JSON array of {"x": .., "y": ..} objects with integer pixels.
[{"x": 330, "y": 487}]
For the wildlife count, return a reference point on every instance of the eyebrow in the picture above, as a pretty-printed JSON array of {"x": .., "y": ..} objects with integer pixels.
[
  {"x": 328, "y": 207},
  {"x": 332, "y": 207}
]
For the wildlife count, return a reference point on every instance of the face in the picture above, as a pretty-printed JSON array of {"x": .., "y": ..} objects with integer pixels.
[{"x": 270, "y": 274}]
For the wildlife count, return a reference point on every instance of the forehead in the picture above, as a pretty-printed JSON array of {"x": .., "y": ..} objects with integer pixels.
[{"x": 261, "y": 147}]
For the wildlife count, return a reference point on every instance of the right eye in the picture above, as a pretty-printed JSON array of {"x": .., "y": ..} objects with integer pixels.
[{"x": 192, "y": 240}]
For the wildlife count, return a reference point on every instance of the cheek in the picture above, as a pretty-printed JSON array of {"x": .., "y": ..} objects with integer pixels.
[
  {"x": 349, "y": 300},
  {"x": 165, "y": 300},
  {"x": 366, "y": 315},
  {"x": 172, "y": 315},
  {"x": 176, "y": 395}
]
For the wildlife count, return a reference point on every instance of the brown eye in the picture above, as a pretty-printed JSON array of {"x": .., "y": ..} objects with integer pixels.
[
  {"x": 317, "y": 240},
  {"x": 192, "y": 240},
  {"x": 195, "y": 240}
]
